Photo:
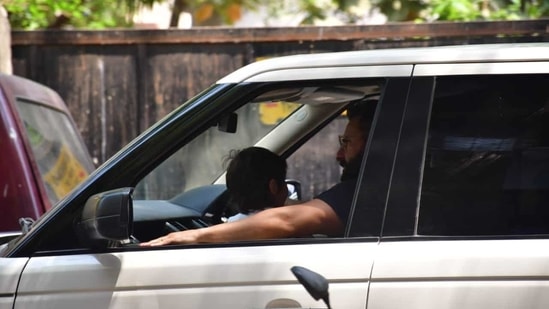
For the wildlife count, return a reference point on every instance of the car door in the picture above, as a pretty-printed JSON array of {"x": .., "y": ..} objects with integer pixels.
[
  {"x": 11, "y": 269},
  {"x": 469, "y": 230},
  {"x": 247, "y": 274}
]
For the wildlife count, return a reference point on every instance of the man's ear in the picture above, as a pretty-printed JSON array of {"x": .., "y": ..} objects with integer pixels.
[{"x": 273, "y": 186}]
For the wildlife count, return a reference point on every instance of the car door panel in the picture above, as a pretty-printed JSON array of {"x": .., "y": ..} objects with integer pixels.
[
  {"x": 10, "y": 270},
  {"x": 222, "y": 277},
  {"x": 464, "y": 268},
  {"x": 242, "y": 275},
  {"x": 461, "y": 274}
]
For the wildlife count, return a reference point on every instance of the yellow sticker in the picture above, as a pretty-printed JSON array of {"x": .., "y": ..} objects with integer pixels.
[
  {"x": 66, "y": 173},
  {"x": 271, "y": 113}
]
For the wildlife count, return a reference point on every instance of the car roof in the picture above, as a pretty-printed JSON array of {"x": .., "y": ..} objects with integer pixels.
[
  {"x": 23, "y": 88},
  {"x": 510, "y": 52}
]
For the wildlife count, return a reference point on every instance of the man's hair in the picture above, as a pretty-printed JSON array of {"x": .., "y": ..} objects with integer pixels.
[
  {"x": 248, "y": 176},
  {"x": 363, "y": 111}
]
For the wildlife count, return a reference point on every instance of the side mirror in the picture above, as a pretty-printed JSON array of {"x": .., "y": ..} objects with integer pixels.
[
  {"x": 314, "y": 283},
  {"x": 294, "y": 190},
  {"x": 107, "y": 216}
]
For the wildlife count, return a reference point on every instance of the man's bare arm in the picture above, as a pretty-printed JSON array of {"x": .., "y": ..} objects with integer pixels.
[{"x": 312, "y": 217}]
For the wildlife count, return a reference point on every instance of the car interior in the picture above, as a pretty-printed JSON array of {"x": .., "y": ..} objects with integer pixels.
[{"x": 208, "y": 202}]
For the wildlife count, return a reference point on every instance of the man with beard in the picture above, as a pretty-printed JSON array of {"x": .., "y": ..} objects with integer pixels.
[
  {"x": 326, "y": 214},
  {"x": 349, "y": 156}
]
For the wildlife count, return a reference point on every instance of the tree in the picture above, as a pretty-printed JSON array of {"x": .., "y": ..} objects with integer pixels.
[
  {"x": 5, "y": 42},
  {"x": 94, "y": 14},
  {"x": 211, "y": 12},
  {"x": 51, "y": 14},
  {"x": 98, "y": 14},
  {"x": 462, "y": 10}
]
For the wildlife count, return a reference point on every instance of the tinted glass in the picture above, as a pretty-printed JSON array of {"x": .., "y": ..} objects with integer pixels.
[{"x": 486, "y": 168}]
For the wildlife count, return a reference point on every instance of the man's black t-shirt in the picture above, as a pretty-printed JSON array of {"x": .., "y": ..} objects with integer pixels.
[{"x": 340, "y": 198}]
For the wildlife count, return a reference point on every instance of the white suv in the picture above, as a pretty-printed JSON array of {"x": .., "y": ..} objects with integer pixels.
[{"x": 451, "y": 209}]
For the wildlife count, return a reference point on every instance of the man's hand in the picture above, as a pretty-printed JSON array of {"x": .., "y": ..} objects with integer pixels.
[
  {"x": 183, "y": 237},
  {"x": 303, "y": 220}
]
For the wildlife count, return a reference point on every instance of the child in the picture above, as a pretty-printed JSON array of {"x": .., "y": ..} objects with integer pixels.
[{"x": 256, "y": 181}]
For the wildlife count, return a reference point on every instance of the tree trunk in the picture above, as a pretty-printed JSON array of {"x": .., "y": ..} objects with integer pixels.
[
  {"x": 5, "y": 42},
  {"x": 179, "y": 6}
]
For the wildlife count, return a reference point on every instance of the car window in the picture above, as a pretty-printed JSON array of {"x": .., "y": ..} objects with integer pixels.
[
  {"x": 318, "y": 154},
  {"x": 300, "y": 122},
  {"x": 202, "y": 161},
  {"x": 61, "y": 157},
  {"x": 486, "y": 169}
]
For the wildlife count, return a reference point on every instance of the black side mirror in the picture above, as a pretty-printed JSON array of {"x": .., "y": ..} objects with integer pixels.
[
  {"x": 314, "y": 283},
  {"x": 107, "y": 216}
]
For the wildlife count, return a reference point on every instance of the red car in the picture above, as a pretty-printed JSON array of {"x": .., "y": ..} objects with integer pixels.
[{"x": 43, "y": 155}]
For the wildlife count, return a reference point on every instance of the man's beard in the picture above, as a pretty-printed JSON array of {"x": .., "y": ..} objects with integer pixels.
[{"x": 351, "y": 168}]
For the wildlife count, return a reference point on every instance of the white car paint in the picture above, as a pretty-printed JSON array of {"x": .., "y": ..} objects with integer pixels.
[
  {"x": 409, "y": 273},
  {"x": 232, "y": 277},
  {"x": 10, "y": 270},
  {"x": 390, "y": 57},
  {"x": 461, "y": 274}
]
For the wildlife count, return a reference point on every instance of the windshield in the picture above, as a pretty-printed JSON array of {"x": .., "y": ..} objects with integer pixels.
[{"x": 61, "y": 157}]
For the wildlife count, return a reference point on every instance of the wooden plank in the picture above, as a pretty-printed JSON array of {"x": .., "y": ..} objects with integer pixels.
[
  {"x": 391, "y": 31},
  {"x": 99, "y": 88}
]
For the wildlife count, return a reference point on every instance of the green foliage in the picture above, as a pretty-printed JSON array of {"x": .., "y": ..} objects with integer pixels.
[
  {"x": 400, "y": 10},
  {"x": 98, "y": 14},
  {"x": 455, "y": 10},
  {"x": 461, "y": 10},
  {"x": 41, "y": 14},
  {"x": 469, "y": 10},
  {"x": 313, "y": 9},
  {"x": 517, "y": 9}
]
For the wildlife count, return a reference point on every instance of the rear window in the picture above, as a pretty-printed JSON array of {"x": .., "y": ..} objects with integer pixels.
[
  {"x": 487, "y": 161},
  {"x": 61, "y": 156}
]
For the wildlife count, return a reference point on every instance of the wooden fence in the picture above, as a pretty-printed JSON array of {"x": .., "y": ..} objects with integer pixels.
[{"x": 119, "y": 82}]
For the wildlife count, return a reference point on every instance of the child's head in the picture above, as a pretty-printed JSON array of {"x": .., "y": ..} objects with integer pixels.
[{"x": 256, "y": 179}]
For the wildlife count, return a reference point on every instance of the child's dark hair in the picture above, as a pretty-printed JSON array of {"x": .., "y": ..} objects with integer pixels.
[{"x": 248, "y": 176}]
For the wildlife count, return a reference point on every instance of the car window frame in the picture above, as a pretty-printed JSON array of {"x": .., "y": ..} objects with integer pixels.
[
  {"x": 367, "y": 215},
  {"x": 42, "y": 239},
  {"x": 402, "y": 199}
]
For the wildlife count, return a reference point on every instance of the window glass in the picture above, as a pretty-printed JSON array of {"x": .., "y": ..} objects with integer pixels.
[
  {"x": 486, "y": 168},
  {"x": 317, "y": 157},
  {"x": 202, "y": 161},
  {"x": 184, "y": 191},
  {"x": 61, "y": 157}
]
